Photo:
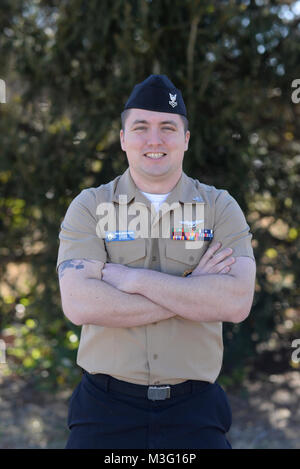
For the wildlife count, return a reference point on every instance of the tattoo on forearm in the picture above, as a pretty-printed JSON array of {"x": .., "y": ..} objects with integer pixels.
[{"x": 72, "y": 264}]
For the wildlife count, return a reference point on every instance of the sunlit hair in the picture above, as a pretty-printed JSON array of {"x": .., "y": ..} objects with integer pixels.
[{"x": 125, "y": 113}]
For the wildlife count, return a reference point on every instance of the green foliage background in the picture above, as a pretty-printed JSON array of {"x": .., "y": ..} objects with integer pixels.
[{"x": 69, "y": 67}]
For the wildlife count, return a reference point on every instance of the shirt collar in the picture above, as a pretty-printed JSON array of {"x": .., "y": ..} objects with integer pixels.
[{"x": 184, "y": 191}]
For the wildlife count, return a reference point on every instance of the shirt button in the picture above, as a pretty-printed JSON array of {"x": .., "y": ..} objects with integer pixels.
[
  {"x": 121, "y": 259},
  {"x": 156, "y": 382},
  {"x": 154, "y": 323},
  {"x": 154, "y": 258},
  {"x": 155, "y": 356},
  {"x": 191, "y": 258}
]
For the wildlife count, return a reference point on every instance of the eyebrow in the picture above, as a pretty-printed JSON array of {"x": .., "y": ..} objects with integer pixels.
[{"x": 146, "y": 122}]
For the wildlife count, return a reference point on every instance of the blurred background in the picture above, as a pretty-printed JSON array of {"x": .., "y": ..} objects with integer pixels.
[{"x": 69, "y": 67}]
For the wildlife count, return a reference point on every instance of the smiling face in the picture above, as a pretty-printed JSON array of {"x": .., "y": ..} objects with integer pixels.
[{"x": 154, "y": 143}]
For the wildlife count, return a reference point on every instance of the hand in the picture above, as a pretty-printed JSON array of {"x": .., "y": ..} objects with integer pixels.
[
  {"x": 119, "y": 276},
  {"x": 212, "y": 263}
]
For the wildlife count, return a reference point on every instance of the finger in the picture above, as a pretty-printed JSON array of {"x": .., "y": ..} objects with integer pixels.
[
  {"x": 217, "y": 268},
  {"x": 222, "y": 255},
  {"x": 218, "y": 258},
  {"x": 225, "y": 270},
  {"x": 210, "y": 252}
]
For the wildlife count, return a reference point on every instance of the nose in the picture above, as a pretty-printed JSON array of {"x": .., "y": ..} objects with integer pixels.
[{"x": 154, "y": 137}]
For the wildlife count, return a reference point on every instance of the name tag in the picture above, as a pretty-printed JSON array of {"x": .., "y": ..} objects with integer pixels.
[{"x": 119, "y": 236}]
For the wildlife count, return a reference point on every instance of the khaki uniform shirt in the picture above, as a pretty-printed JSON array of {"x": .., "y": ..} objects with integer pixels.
[{"x": 169, "y": 351}]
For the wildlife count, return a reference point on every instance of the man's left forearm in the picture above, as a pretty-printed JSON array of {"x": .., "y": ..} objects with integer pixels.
[{"x": 205, "y": 298}]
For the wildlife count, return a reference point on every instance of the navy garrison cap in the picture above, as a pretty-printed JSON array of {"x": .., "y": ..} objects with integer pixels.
[{"x": 157, "y": 93}]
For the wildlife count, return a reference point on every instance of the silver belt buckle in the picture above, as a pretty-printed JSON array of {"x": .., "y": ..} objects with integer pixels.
[{"x": 159, "y": 393}]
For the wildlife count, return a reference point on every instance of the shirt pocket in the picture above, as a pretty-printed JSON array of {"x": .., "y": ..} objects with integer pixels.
[
  {"x": 178, "y": 258},
  {"x": 131, "y": 252}
]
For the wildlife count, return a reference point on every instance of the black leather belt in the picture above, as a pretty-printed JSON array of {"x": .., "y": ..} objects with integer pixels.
[{"x": 152, "y": 392}]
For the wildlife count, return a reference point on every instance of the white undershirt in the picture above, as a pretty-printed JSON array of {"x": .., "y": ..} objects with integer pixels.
[{"x": 156, "y": 199}]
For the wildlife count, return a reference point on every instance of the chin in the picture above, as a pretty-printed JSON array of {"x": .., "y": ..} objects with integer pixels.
[{"x": 158, "y": 172}]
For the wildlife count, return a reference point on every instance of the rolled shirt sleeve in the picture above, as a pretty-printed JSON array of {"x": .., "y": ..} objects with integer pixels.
[
  {"x": 230, "y": 226},
  {"x": 78, "y": 237}
]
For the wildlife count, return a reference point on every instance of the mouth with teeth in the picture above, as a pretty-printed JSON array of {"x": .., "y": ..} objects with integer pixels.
[{"x": 155, "y": 156}]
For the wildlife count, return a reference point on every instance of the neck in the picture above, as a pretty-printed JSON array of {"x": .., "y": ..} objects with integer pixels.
[{"x": 155, "y": 185}]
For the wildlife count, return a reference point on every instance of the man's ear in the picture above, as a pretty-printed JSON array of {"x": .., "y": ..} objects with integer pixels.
[
  {"x": 122, "y": 139},
  {"x": 187, "y": 139}
]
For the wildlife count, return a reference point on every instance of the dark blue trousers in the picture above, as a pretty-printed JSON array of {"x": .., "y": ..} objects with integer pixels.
[{"x": 100, "y": 417}]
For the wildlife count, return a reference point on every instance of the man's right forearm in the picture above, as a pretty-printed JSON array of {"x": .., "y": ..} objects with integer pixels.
[{"x": 95, "y": 302}]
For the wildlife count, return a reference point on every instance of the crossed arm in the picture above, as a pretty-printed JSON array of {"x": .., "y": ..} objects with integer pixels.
[
  {"x": 127, "y": 297},
  {"x": 86, "y": 299},
  {"x": 205, "y": 298}
]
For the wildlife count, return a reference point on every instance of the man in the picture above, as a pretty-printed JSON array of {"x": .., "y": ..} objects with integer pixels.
[{"x": 151, "y": 287}]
